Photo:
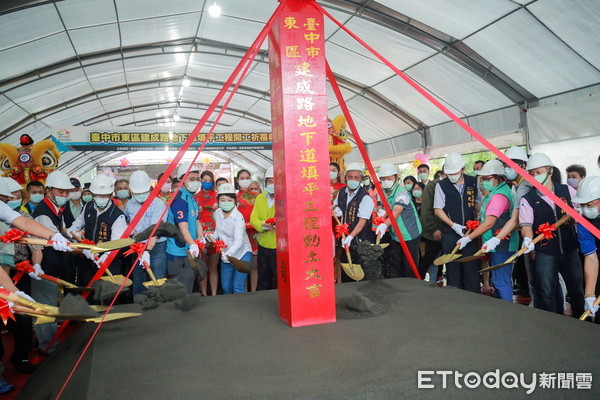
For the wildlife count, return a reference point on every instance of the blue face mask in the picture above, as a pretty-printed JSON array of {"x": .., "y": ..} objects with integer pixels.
[
  {"x": 353, "y": 185},
  {"x": 36, "y": 198},
  {"x": 14, "y": 203},
  {"x": 207, "y": 185},
  {"x": 510, "y": 174}
]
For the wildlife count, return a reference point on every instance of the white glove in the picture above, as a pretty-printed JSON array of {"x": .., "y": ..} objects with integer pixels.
[
  {"x": 458, "y": 229},
  {"x": 145, "y": 258},
  {"x": 527, "y": 242},
  {"x": 194, "y": 250},
  {"x": 463, "y": 242},
  {"x": 202, "y": 239},
  {"x": 346, "y": 242},
  {"x": 380, "y": 231},
  {"x": 225, "y": 259},
  {"x": 490, "y": 245},
  {"x": 267, "y": 227},
  {"x": 70, "y": 235},
  {"x": 101, "y": 260},
  {"x": 60, "y": 242},
  {"x": 338, "y": 212},
  {"x": 89, "y": 255},
  {"x": 589, "y": 305},
  {"x": 37, "y": 269},
  {"x": 25, "y": 296},
  {"x": 381, "y": 213}
]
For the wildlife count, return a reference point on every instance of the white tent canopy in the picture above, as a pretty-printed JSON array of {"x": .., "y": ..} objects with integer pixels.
[{"x": 517, "y": 71}]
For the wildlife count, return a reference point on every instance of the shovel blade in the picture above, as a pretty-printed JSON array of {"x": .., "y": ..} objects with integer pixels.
[
  {"x": 446, "y": 258},
  {"x": 475, "y": 256},
  {"x": 354, "y": 271},
  {"x": 239, "y": 265},
  {"x": 118, "y": 280},
  {"x": 40, "y": 320},
  {"x": 159, "y": 282},
  {"x": 112, "y": 245},
  {"x": 113, "y": 317}
]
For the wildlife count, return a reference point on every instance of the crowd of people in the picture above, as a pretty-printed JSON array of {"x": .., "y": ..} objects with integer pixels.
[{"x": 489, "y": 215}]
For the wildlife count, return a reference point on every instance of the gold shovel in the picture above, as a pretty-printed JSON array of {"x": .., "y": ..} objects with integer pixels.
[
  {"x": 153, "y": 281},
  {"x": 586, "y": 313},
  {"x": 239, "y": 265},
  {"x": 95, "y": 248},
  {"x": 354, "y": 271},
  {"x": 448, "y": 258},
  {"x": 475, "y": 256}
]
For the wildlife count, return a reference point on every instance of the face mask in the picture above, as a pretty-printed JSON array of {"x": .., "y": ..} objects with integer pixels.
[
  {"x": 270, "y": 188},
  {"x": 573, "y": 182},
  {"x": 590, "y": 212},
  {"x": 166, "y": 188},
  {"x": 101, "y": 202},
  {"x": 122, "y": 194},
  {"x": 454, "y": 178},
  {"x": 74, "y": 195},
  {"x": 207, "y": 185},
  {"x": 408, "y": 186},
  {"x": 61, "y": 201},
  {"x": 353, "y": 185},
  {"x": 36, "y": 198},
  {"x": 226, "y": 205},
  {"x": 193, "y": 186},
  {"x": 417, "y": 194},
  {"x": 387, "y": 184},
  {"x": 488, "y": 185},
  {"x": 141, "y": 197},
  {"x": 542, "y": 178},
  {"x": 366, "y": 182},
  {"x": 14, "y": 203},
  {"x": 333, "y": 175},
  {"x": 423, "y": 176},
  {"x": 244, "y": 183},
  {"x": 510, "y": 174},
  {"x": 87, "y": 198}
]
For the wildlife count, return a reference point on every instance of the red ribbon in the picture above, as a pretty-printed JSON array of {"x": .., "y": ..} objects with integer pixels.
[
  {"x": 219, "y": 245},
  {"x": 270, "y": 221},
  {"x": 5, "y": 312},
  {"x": 88, "y": 241},
  {"x": 200, "y": 244},
  {"x": 472, "y": 225},
  {"x": 379, "y": 220},
  {"x": 24, "y": 267},
  {"x": 137, "y": 248},
  {"x": 14, "y": 235},
  {"x": 547, "y": 230},
  {"x": 341, "y": 230}
]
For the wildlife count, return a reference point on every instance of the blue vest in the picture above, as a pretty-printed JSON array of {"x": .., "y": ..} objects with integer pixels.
[
  {"x": 175, "y": 247},
  {"x": 459, "y": 208}
]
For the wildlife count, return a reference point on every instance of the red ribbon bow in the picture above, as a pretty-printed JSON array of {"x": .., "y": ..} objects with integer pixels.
[
  {"x": 24, "y": 267},
  {"x": 379, "y": 220},
  {"x": 472, "y": 225},
  {"x": 88, "y": 241},
  {"x": 14, "y": 235},
  {"x": 135, "y": 248},
  {"x": 341, "y": 230},
  {"x": 5, "y": 312},
  {"x": 200, "y": 244},
  {"x": 547, "y": 230},
  {"x": 270, "y": 221},
  {"x": 219, "y": 245}
]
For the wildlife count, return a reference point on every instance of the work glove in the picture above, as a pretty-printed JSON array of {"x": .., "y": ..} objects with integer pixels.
[
  {"x": 60, "y": 243},
  {"x": 589, "y": 305},
  {"x": 381, "y": 230},
  {"x": 89, "y": 255},
  {"x": 346, "y": 242},
  {"x": 25, "y": 296},
  {"x": 527, "y": 242},
  {"x": 381, "y": 213},
  {"x": 490, "y": 245},
  {"x": 267, "y": 227},
  {"x": 458, "y": 229},
  {"x": 37, "y": 269},
  {"x": 224, "y": 258},
  {"x": 145, "y": 258},
  {"x": 194, "y": 250},
  {"x": 101, "y": 260},
  {"x": 337, "y": 212},
  {"x": 463, "y": 242}
]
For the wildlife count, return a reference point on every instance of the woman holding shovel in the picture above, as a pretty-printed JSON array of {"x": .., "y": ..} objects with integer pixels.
[
  {"x": 231, "y": 229},
  {"x": 496, "y": 211}
]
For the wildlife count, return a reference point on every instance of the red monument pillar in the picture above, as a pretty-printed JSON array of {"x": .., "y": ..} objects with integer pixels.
[{"x": 301, "y": 165}]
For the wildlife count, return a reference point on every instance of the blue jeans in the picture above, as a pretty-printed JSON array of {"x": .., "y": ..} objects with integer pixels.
[
  {"x": 502, "y": 277},
  {"x": 158, "y": 264},
  {"x": 233, "y": 281},
  {"x": 546, "y": 272}
]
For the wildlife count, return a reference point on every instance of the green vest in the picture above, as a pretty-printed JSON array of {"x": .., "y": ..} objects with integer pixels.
[
  {"x": 408, "y": 220},
  {"x": 512, "y": 243}
]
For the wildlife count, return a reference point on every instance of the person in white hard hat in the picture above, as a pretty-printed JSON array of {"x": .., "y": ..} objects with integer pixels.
[
  {"x": 156, "y": 252},
  {"x": 183, "y": 213},
  {"x": 455, "y": 201},
  {"x": 557, "y": 254},
  {"x": 588, "y": 196},
  {"x": 354, "y": 206},
  {"x": 264, "y": 210},
  {"x": 496, "y": 211},
  {"x": 246, "y": 197},
  {"x": 231, "y": 229},
  {"x": 100, "y": 221},
  {"x": 405, "y": 214}
]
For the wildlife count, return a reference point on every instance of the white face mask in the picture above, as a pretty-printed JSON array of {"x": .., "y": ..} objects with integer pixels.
[
  {"x": 141, "y": 197},
  {"x": 244, "y": 183},
  {"x": 193, "y": 186},
  {"x": 455, "y": 178},
  {"x": 271, "y": 188},
  {"x": 387, "y": 184},
  {"x": 74, "y": 195},
  {"x": 333, "y": 175},
  {"x": 101, "y": 202},
  {"x": 590, "y": 212},
  {"x": 166, "y": 188}
]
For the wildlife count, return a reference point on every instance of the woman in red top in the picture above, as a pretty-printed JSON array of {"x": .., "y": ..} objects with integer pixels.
[
  {"x": 207, "y": 201},
  {"x": 248, "y": 190},
  {"x": 336, "y": 184},
  {"x": 165, "y": 191}
]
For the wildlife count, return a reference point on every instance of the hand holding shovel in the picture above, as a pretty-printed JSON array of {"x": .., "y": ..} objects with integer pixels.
[
  {"x": 354, "y": 271},
  {"x": 448, "y": 258}
]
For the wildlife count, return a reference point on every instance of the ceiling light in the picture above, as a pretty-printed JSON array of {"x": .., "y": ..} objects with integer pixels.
[
  {"x": 175, "y": 117},
  {"x": 214, "y": 10},
  {"x": 186, "y": 82}
]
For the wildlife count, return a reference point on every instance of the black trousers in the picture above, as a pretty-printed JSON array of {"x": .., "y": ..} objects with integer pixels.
[
  {"x": 22, "y": 331},
  {"x": 267, "y": 268},
  {"x": 400, "y": 267},
  {"x": 433, "y": 250},
  {"x": 462, "y": 275}
]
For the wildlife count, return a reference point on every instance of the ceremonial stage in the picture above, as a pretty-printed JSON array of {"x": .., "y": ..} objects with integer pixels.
[{"x": 235, "y": 347}]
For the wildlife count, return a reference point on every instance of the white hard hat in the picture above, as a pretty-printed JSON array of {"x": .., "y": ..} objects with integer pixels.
[
  {"x": 516, "y": 153},
  {"x": 102, "y": 184},
  {"x": 226, "y": 188},
  {"x": 59, "y": 180},
  {"x": 269, "y": 173},
  {"x": 492, "y": 167},
  {"x": 588, "y": 190},
  {"x": 182, "y": 169},
  {"x": 538, "y": 160},
  {"x": 454, "y": 163},
  {"x": 354, "y": 167},
  {"x": 4, "y": 190},
  {"x": 139, "y": 182},
  {"x": 13, "y": 185},
  {"x": 387, "y": 169}
]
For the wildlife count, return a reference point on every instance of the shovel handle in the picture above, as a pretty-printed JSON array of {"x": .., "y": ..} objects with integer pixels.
[
  {"x": 586, "y": 313},
  {"x": 15, "y": 298},
  {"x": 458, "y": 245},
  {"x": 150, "y": 273},
  {"x": 58, "y": 281},
  {"x": 346, "y": 249}
]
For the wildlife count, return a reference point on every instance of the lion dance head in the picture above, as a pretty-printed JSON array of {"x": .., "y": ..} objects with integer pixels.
[
  {"x": 30, "y": 162},
  {"x": 338, "y": 141}
]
